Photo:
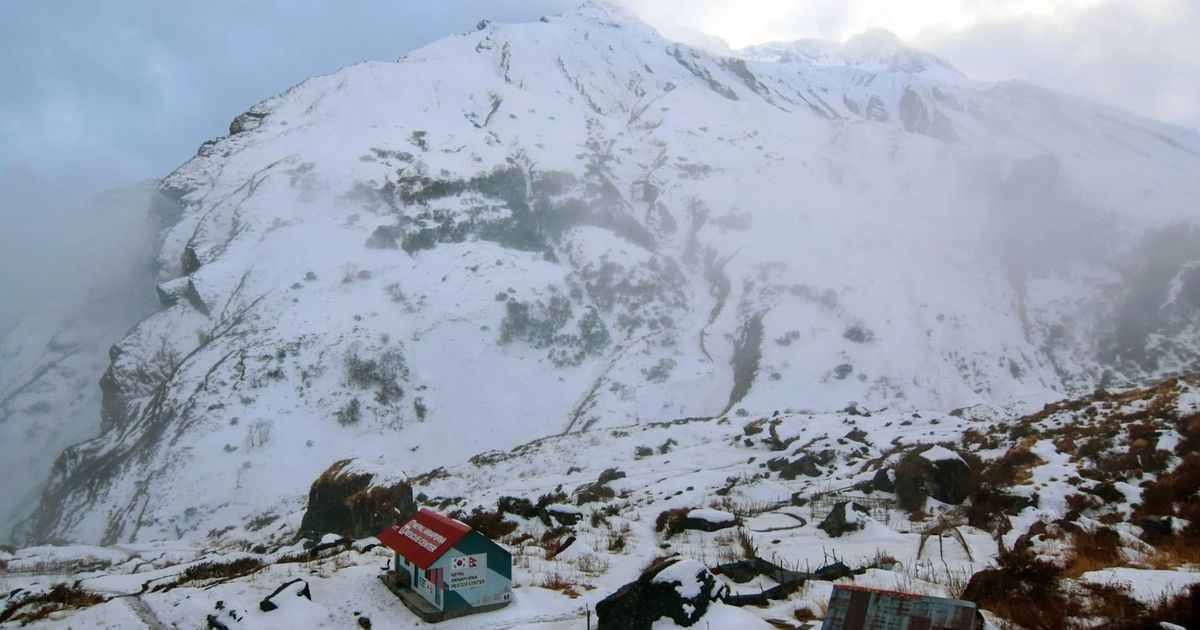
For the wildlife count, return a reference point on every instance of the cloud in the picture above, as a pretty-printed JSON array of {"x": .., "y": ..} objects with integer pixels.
[
  {"x": 100, "y": 95},
  {"x": 127, "y": 89},
  {"x": 1141, "y": 55}
]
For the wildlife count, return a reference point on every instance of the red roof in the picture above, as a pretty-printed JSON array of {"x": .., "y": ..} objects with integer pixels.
[{"x": 423, "y": 538}]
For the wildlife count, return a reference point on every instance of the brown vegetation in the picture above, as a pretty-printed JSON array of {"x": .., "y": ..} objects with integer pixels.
[
  {"x": 206, "y": 571},
  {"x": 37, "y": 606},
  {"x": 1022, "y": 589},
  {"x": 490, "y": 524}
]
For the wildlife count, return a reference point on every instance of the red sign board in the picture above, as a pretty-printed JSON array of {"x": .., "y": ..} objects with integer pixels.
[{"x": 423, "y": 538}]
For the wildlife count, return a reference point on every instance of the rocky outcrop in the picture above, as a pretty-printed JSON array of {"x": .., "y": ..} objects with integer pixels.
[
  {"x": 678, "y": 589},
  {"x": 355, "y": 500}
]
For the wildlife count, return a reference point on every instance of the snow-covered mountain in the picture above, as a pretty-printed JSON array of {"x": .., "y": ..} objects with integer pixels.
[{"x": 542, "y": 228}]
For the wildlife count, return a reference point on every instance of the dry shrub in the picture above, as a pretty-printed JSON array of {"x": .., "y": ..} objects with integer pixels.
[
  {"x": 1110, "y": 602},
  {"x": 1178, "y": 486},
  {"x": 746, "y": 542},
  {"x": 40, "y": 605},
  {"x": 593, "y": 563},
  {"x": 1174, "y": 553},
  {"x": 1013, "y": 467},
  {"x": 990, "y": 506},
  {"x": 671, "y": 521},
  {"x": 517, "y": 505},
  {"x": 617, "y": 536},
  {"x": 1181, "y": 609},
  {"x": 1022, "y": 589},
  {"x": 206, "y": 571},
  {"x": 804, "y": 613},
  {"x": 1080, "y": 502},
  {"x": 1092, "y": 550},
  {"x": 1189, "y": 428},
  {"x": 555, "y": 580},
  {"x": 734, "y": 545},
  {"x": 490, "y": 524},
  {"x": 551, "y": 541}
]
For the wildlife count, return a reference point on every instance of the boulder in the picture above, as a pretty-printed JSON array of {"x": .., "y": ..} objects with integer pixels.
[
  {"x": 708, "y": 520},
  {"x": 703, "y": 519},
  {"x": 884, "y": 480},
  {"x": 356, "y": 499},
  {"x": 678, "y": 589},
  {"x": 843, "y": 518},
  {"x": 934, "y": 471}
]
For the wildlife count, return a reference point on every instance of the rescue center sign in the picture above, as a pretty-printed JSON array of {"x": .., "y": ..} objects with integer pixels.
[
  {"x": 468, "y": 571},
  {"x": 428, "y": 539}
]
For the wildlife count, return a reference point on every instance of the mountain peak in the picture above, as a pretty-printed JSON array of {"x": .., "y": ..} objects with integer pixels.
[
  {"x": 608, "y": 9},
  {"x": 876, "y": 39},
  {"x": 874, "y": 50}
]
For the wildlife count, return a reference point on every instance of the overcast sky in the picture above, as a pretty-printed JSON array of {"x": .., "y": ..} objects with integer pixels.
[{"x": 123, "y": 89}]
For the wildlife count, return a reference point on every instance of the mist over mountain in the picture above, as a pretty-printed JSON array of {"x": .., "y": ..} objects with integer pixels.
[{"x": 572, "y": 224}]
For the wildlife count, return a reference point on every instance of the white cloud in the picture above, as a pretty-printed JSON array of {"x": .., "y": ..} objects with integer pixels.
[{"x": 1142, "y": 55}]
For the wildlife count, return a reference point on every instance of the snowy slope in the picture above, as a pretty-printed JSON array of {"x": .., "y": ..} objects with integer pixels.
[
  {"x": 721, "y": 466},
  {"x": 533, "y": 229}
]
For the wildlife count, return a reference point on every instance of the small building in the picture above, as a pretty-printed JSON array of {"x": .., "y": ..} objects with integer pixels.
[
  {"x": 444, "y": 569},
  {"x": 858, "y": 608}
]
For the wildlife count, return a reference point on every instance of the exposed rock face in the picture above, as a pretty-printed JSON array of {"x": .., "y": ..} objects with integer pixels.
[
  {"x": 356, "y": 500},
  {"x": 843, "y": 519},
  {"x": 678, "y": 589}
]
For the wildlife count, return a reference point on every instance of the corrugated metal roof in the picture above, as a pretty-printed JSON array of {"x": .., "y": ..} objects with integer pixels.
[
  {"x": 858, "y": 608},
  {"x": 423, "y": 538}
]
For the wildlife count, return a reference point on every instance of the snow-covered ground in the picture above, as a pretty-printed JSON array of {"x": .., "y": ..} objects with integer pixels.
[{"x": 714, "y": 469}]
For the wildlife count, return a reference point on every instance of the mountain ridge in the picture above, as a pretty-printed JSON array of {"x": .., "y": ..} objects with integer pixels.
[{"x": 572, "y": 223}]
